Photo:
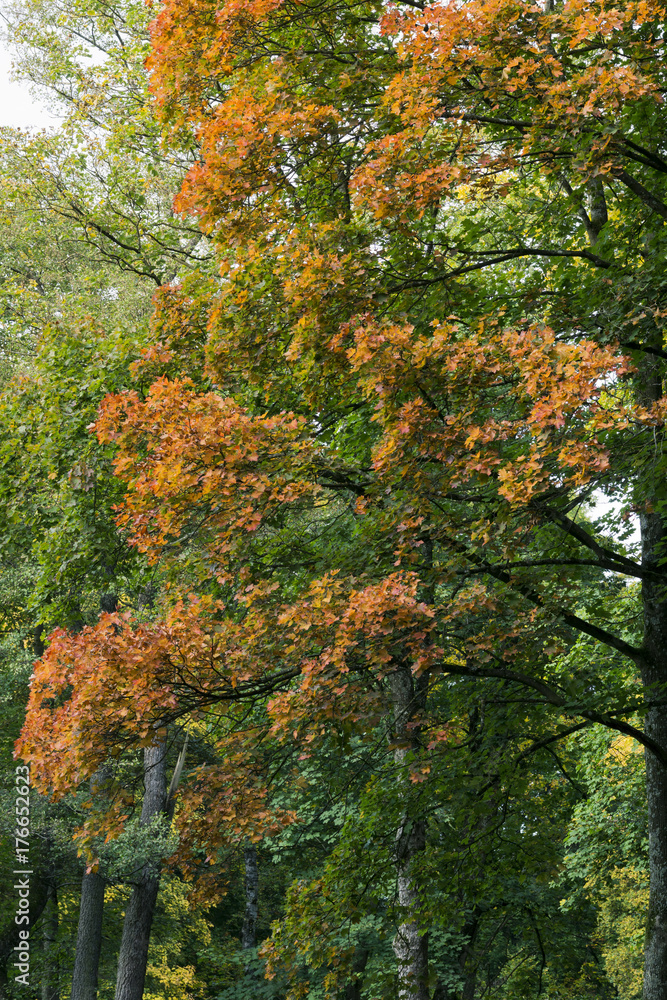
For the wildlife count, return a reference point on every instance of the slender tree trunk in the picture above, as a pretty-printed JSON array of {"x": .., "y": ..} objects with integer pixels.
[
  {"x": 91, "y": 913},
  {"x": 251, "y": 885},
  {"x": 410, "y": 943},
  {"x": 88, "y": 938},
  {"x": 467, "y": 963},
  {"x": 249, "y": 929},
  {"x": 469, "y": 982},
  {"x": 353, "y": 988},
  {"x": 51, "y": 972},
  {"x": 10, "y": 936},
  {"x": 134, "y": 943}
]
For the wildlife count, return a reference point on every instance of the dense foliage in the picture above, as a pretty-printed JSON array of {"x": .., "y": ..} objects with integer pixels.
[{"x": 333, "y": 504}]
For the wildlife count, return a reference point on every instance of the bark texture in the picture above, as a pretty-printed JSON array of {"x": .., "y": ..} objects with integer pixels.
[
  {"x": 138, "y": 921},
  {"x": 251, "y": 885},
  {"x": 91, "y": 912},
  {"x": 654, "y": 673},
  {"x": 410, "y": 943},
  {"x": 88, "y": 938},
  {"x": 353, "y": 988},
  {"x": 249, "y": 929}
]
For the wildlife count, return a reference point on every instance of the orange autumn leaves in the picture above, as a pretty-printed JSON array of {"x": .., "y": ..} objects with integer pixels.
[
  {"x": 517, "y": 410},
  {"x": 552, "y": 87},
  {"x": 513, "y": 412},
  {"x": 516, "y": 406},
  {"x": 450, "y": 408},
  {"x": 115, "y": 682},
  {"x": 106, "y": 689},
  {"x": 203, "y": 462}
]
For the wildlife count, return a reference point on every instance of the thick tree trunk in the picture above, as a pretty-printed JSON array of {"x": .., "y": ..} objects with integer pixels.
[
  {"x": 654, "y": 673},
  {"x": 134, "y": 943},
  {"x": 88, "y": 938},
  {"x": 410, "y": 943},
  {"x": 51, "y": 971}
]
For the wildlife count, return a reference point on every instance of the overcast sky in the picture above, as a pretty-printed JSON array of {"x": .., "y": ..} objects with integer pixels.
[{"x": 18, "y": 107}]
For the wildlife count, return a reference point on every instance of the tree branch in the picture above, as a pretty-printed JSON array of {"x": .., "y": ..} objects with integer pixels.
[
  {"x": 643, "y": 193},
  {"x": 613, "y": 560},
  {"x": 553, "y": 698},
  {"x": 499, "y": 259}
]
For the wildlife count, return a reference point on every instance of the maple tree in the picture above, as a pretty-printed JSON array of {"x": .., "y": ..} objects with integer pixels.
[{"x": 436, "y": 331}]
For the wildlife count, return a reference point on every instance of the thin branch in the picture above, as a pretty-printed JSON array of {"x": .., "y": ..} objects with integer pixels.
[
  {"x": 574, "y": 621},
  {"x": 553, "y": 698},
  {"x": 499, "y": 259}
]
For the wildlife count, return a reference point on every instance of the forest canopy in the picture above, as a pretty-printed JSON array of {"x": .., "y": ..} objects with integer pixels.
[{"x": 332, "y": 490}]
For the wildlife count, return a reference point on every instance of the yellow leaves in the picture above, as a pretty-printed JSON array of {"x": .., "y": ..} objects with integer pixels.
[
  {"x": 622, "y": 748},
  {"x": 474, "y": 434},
  {"x": 622, "y": 906}
]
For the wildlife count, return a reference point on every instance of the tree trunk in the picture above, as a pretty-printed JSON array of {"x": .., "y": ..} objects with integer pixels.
[
  {"x": 134, "y": 943},
  {"x": 249, "y": 929},
  {"x": 410, "y": 943},
  {"x": 51, "y": 974},
  {"x": 353, "y": 988},
  {"x": 10, "y": 936},
  {"x": 91, "y": 913},
  {"x": 467, "y": 963},
  {"x": 654, "y": 673},
  {"x": 88, "y": 938},
  {"x": 251, "y": 884}
]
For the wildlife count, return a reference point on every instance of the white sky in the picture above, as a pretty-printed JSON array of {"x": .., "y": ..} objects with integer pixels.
[{"x": 18, "y": 107}]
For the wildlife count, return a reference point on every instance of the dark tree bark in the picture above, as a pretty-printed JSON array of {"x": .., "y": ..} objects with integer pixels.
[
  {"x": 91, "y": 913},
  {"x": 353, "y": 988},
  {"x": 410, "y": 943},
  {"x": 654, "y": 674},
  {"x": 88, "y": 938},
  {"x": 134, "y": 944},
  {"x": 467, "y": 959},
  {"x": 37, "y": 643}
]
